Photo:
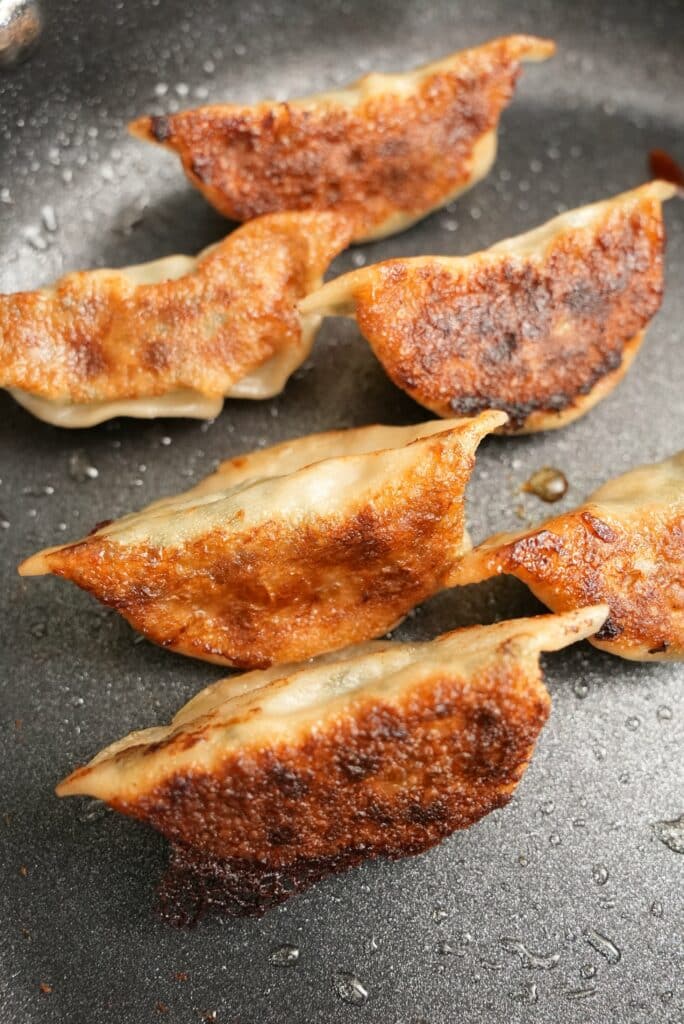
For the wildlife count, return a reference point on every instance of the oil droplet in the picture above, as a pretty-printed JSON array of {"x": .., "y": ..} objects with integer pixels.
[
  {"x": 80, "y": 468},
  {"x": 599, "y": 873},
  {"x": 34, "y": 237},
  {"x": 603, "y": 945},
  {"x": 671, "y": 833},
  {"x": 580, "y": 993},
  {"x": 580, "y": 688},
  {"x": 527, "y": 994},
  {"x": 633, "y": 723},
  {"x": 606, "y": 902},
  {"x": 49, "y": 218},
  {"x": 284, "y": 955},
  {"x": 95, "y": 812},
  {"x": 454, "y": 947},
  {"x": 350, "y": 989},
  {"x": 587, "y": 971},
  {"x": 664, "y": 713},
  {"x": 532, "y": 961},
  {"x": 547, "y": 483}
]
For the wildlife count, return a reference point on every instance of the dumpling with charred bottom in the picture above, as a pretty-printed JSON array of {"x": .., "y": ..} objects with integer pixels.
[
  {"x": 266, "y": 782},
  {"x": 543, "y": 325},
  {"x": 173, "y": 337},
  {"x": 391, "y": 147},
  {"x": 624, "y": 546},
  {"x": 286, "y": 553}
]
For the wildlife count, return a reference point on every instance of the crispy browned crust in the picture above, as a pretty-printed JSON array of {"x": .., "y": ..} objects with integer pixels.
[
  {"x": 387, "y": 154},
  {"x": 542, "y": 340},
  {"x": 98, "y": 337},
  {"x": 633, "y": 564},
  {"x": 377, "y": 780},
  {"x": 283, "y": 592}
]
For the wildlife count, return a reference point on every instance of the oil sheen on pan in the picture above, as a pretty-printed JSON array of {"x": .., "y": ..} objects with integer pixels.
[
  {"x": 391, "y": 147},
  {"x": 623, "y": 547},
  {"x": 287, "y": 553},
  {"x": 543, "y": 325},
  {"x": 267, "y": 782},
  {"x": 173, "y": 337}
]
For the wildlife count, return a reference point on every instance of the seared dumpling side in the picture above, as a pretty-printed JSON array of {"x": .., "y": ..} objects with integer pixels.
[
  {"x": 172, "y": 337},
  {"x": 296, "y": 775},
  {"x": 283, "y": 568},
  {"x": 391, "y": 147},
  {"x": 624, "y": 547},
  {"x": 542, "y": 326}
]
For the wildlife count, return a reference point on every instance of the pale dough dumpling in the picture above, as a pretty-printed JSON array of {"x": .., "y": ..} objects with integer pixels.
[
  {"x": 287, "y": 553},
  {"x": 624, "y": 546},
  {"x": 391, "y": 147},
  {"x": 266, "y": 782},
  {"x": 542, "y": 326},
  {"x": 173, "y": 337}
]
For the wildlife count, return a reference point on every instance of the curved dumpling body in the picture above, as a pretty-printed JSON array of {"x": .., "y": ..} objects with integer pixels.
[
  {"x": 303, "y": 559},
  {"x": 542, "y": 326},
  {"x": 267, "y": 781},
  {"x": 175, "y": 336},
  {"x": 624, "y": 546},
  {"x": 393, "y": 147}
]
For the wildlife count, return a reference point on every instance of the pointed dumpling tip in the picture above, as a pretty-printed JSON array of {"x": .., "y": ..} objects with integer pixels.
[
  {"x": 491, "y": 420},
  {"x": 36, "y": 565},
  {"x": 661, "y": 189},
  {"x": 568, "y": 627},
  {"x": 533, "y": 48}
]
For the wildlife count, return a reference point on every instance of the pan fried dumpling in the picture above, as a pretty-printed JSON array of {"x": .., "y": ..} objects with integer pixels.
[
  {"x": 172, "y": 337},
  {"x": 392, "y": 147},
  {"x": 302, "y": 558},
  {"x": 624, "y": 546},
  {"x": 266, "y": 782},
  {"x": 542, "y": 326}
]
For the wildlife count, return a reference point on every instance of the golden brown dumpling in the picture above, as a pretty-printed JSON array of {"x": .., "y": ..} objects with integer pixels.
[
  {"x": 275, "y": 559},
  {"x": 391, "y": 147},
  {"x": 542, "y": 326},
  {"x": 268, "y": 781},
  {"x": 624, "y": 547},
  {"x": 172, "y": 337}
]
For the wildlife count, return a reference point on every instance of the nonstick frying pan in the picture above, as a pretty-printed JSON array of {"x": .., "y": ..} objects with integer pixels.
[{"x": 567, "y": 905}]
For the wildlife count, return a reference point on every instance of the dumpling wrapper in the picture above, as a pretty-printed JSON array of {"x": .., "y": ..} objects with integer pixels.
[
  {"x": 392, "y": 147},
  {"x": 543, "y": 325},
  {"x": 275, "y": 559},
  {"x": 623, "y": 547},
  {"x": 266, "y": 782},
  {"x": 173, "y": 337}
]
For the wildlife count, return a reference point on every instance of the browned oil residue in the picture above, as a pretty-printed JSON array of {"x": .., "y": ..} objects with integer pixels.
[
  {"x": 666, "y": 167},
  {"x": 547, "y": 483}
]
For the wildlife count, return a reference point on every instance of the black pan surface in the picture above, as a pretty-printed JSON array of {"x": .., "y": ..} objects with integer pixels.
[{"x": 500, "y": 923}]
